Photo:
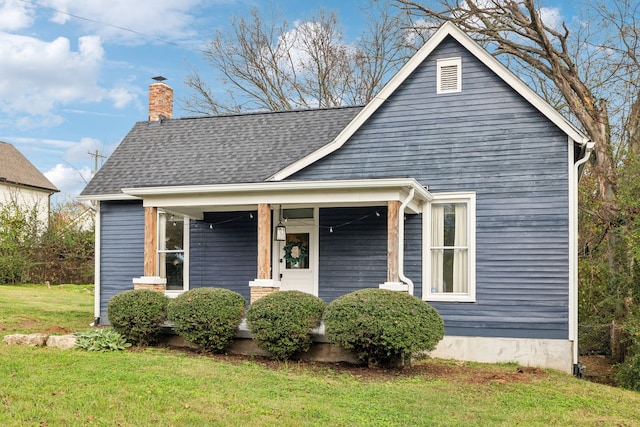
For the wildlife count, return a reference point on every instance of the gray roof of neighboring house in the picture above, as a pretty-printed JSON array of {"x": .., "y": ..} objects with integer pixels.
[
  {"x": 231, "y": 149},
  {"x": 16, "y": 169}
]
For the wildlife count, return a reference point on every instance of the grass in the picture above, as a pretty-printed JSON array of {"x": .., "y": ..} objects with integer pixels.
[
  {"x": 159, "y": 386},
  {"x": 36, "y": 308}
]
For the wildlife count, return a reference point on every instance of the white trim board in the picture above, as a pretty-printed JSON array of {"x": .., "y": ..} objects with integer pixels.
[
  {"x": 193, "y": 200},
  {"x": 447, "y": 29}
]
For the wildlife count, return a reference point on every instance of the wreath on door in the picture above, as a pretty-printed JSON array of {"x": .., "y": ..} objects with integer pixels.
[{"x": 295, "y": 252}]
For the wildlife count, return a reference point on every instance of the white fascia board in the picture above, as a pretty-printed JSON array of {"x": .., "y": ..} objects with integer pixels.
[
  {"x": 348, "y": 184},
  {"x": 106, "y": 197},
  {"x": 447, "y": 29},
  {"x": 516, "y": 84},
  {"x": 317, "y": 193},
  {"x": 368, "y": 109}
]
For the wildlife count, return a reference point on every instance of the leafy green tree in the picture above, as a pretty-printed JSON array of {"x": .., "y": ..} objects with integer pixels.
[
  {"x": 19, "y": 234},
  {"x": 66, "y": 250},
  {"x": 61, "y": 251}
]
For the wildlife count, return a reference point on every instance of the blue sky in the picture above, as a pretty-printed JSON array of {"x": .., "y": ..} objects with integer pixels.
[{"x": 71, "y": 83}]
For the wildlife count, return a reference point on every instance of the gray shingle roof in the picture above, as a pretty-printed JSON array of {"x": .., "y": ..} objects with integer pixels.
[
  {"x": 16, "y": 169},
  {"x": 216, "y": 150}
]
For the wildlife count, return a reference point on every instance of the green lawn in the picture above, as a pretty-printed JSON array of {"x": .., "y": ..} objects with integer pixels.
[
  {"x": 164, "y": 387},
  {"x": 36, "y": 308}
]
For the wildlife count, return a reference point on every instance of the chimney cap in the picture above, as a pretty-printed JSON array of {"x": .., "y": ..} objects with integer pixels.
[{"x": 159, "y": 78}]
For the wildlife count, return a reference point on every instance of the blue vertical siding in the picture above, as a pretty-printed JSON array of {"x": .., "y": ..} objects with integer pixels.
[
  {"x": 227, "y": 255},
  {"x": 486, "y": 139},
  {"x": 121, "y": 249}
]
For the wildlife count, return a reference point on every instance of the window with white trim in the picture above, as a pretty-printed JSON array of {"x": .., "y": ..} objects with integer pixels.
[
  {"x": 449, "y": 75},
  {"x": 173, "y": 251},
  {"x": 449, "y": 231}
]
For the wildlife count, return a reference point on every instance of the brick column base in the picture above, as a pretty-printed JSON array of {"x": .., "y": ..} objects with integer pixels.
[
  {"x": 257, "y": 293},
  {"x": 262, "y": 287}
]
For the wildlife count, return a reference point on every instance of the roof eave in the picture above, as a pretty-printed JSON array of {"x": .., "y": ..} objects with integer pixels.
[
  {"x": 106, "y": 197},
  {"x": 315, "y": 193}
]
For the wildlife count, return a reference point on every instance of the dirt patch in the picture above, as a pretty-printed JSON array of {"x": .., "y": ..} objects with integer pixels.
[
  {"x": 56, "y": 330},
  {"x": 599, "y": 369},
  {"x": 22, "y": 323},
  {"x": 432, "y": 369}
]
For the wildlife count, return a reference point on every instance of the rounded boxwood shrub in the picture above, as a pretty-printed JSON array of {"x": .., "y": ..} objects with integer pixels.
[
  {"x": 138, "y": 315},
  {"x": 280, "y": 322},
  {"x": 207, "y": 317},
  {"x": 383, "y": 327}
]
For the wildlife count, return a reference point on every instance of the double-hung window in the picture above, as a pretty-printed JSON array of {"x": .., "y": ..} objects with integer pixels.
[
  {"x": 173, "y": 240},
  {"x": 449, "y": 231}
]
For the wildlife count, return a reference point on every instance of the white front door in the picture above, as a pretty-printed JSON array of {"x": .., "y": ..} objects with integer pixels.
[{"x": 299, "y": 259}]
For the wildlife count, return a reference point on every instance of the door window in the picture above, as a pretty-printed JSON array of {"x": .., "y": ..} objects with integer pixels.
[{"x": 296, "y": 251}]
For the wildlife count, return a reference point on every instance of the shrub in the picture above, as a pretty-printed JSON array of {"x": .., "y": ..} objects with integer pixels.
[
  {"x": 101, "y": 340},
  {"x": 628, "y": 374},
  {"x": 138, "y": 315},
  {"x": 208, "y": 317},
  {"x": 383, "y": 327},
  {"x": 280, "y": 322}
]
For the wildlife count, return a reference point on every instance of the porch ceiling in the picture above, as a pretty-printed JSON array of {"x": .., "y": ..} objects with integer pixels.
[{"x": 193, "y": 201}]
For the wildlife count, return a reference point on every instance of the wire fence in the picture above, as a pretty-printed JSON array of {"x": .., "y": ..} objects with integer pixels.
[{"x": 606, "y": 339}]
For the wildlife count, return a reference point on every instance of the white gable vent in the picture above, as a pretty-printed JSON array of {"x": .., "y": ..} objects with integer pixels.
[{"x": 449, "y": 75}]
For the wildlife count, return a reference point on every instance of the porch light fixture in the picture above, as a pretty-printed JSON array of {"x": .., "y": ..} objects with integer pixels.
[{"x": 281, "y": 232}]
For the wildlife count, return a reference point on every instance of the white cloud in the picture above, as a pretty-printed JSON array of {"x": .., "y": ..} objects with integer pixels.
[
  {"x": 69, "y": 180},
  {"x": 79, "y": 151},
  {"x": 36, "y": 76},
  {"x": 156, "y": 18},
  {"x": 552, "y": 17},
  {"x": 121, "y": 96},
  {"x": 15, "y": 15}
]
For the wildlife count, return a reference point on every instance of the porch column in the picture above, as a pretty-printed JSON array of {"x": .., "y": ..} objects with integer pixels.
[
  {"x": 393, "y": 282},
  {"x": 264, "y": 284},
  {"x": 264, "y": 241},
  {"x": 392, "y": 241},
  {"x": 150, "y": 241},
  {"x": 150, "y": 280}
]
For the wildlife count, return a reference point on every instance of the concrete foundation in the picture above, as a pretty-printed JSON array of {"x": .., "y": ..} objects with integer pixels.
[
  {"x": 320, "y": 351},
  {"x": 542, "y": 353}
]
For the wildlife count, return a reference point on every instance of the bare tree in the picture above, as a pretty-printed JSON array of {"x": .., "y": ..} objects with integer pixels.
[{"x": 272, "y": 65}]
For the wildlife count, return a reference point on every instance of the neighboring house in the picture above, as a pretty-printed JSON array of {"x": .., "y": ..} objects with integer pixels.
[
  {"x": 21, "y": 183},
  {"x": 457, "y": 184}
]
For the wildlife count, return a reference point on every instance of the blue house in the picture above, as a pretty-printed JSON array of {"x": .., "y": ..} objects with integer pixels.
[{"x": 456, "y": 183}]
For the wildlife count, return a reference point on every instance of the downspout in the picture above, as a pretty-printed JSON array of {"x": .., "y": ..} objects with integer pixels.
[
  {"x": 401, "y": 275},
  {"x": 97, "y": 273},
  {"x": 578, "y": 368},
  {"x": 585, "y": 157}
]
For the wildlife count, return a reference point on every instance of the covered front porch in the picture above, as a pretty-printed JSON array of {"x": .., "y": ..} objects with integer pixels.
[{"x": 289, "y": 235}]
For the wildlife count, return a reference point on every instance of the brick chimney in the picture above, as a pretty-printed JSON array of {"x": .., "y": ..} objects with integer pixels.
[{"x": 160, "y": 100}]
